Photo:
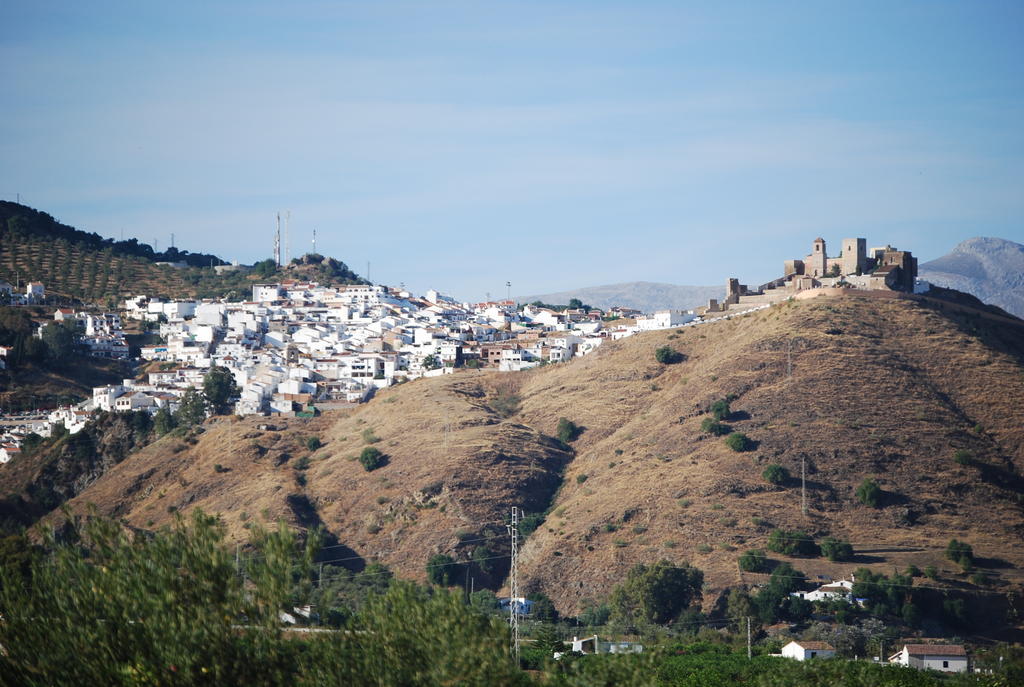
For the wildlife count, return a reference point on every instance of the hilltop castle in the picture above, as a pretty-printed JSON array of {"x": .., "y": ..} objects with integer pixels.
[{"x": 883, "y": 268}]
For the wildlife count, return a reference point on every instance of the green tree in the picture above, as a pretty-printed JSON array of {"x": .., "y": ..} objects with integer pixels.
[
  {"x": 191, "y": 409},
  {"x": 60, "y": 342},
  {"x": 413, "y": 636},
  {"x": 739, "y": 606},
  {"x": 869, "y": 493},
  {"x": 163, "y": 421},
  {"x": 265, "y": 269},
  {"x": 371, "y": 458},
  {"x": 960, "y": 553},
  {"x": 776, "y": 474},
  {"x": 836, "y": 549},
  {"x": 443, "y": 570},
  {"x": 710, "y": 425},
  {"x": 163, "y": 609},
  {"x": 791, "y": 543},
  {"x": 594, "y": 614},
  {"x": 547, "y": 641},
  {"x": 656, "y": 593},
  {"x": 720, "y": 409},
  {"x": 431, "y": 362},
  {"x": 542, "y": 608},
  {"x": 218, "y": 388},
  {"x": 739, "y": 442},
  {"x": 753, "y": 560},
  {"x": 575, "y": 304},
  {"x": 567, "y": 430},
  {"x": 666, "y": 355}
]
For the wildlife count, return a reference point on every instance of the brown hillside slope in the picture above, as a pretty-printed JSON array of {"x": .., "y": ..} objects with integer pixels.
[
  {"x": 856, "y": 387},
  {"x": 888, "y": 389}
]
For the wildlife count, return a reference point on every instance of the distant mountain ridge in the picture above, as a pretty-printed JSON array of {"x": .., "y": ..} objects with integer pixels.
[
  {"x": 641, "y": 295},
  {"x": 990, "y": 268}
]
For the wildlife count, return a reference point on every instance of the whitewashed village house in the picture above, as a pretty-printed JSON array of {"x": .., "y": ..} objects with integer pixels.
[
  {"x": 804, "y": 651},
  {"x": 948, "y": 658}
]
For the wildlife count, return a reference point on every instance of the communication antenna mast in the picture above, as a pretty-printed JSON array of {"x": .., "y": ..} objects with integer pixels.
[
  {"x": 513, "y": 585},
  {"x": 314, "y": 240},
  {"x": 172, "y": 240},
  {"x": 508, "y": 293},
  {"x": 287, "y": 237},
  {"x": 277, "y": 242}
]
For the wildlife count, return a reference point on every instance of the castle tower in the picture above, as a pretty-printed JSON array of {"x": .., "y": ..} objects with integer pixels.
[
  {"x": 817, "y": 262},
  {"x": 854, "y": 256}
]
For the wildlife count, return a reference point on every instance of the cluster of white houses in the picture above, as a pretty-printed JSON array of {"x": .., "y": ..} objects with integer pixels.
[
  {"x": 296, "y": 344},
  {"x": 298, "y": 347},
  {"x": 34, "y": 293}
]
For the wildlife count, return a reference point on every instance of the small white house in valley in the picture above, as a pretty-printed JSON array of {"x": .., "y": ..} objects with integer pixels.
[
  {"x": 803, "y": 651},
  {"x": 948, "y": 658},
  {"x": 843, "y": 589},
  {"x": 594, "y": 645}
]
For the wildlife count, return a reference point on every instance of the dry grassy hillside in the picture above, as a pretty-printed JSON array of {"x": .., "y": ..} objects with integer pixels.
[{"x": 856, "y": 388}]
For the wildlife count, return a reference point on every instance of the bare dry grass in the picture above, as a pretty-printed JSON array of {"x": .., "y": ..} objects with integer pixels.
[{"x": 888, "y": 389}]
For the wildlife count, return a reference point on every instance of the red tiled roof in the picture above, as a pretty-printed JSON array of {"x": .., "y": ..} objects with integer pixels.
[{"x": 935, "y": 649}]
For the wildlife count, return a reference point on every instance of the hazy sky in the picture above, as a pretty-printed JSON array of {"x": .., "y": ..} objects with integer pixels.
[{"x": 460, "y": 145}]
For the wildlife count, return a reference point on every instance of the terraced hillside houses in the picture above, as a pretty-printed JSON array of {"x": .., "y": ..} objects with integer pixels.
[{"x": 294, "y": 345}]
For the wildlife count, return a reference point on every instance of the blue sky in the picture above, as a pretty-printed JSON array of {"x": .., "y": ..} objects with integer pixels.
[{"x": 460, "y": 145}]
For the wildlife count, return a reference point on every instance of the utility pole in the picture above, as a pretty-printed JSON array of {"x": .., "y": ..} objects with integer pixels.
[
  {"x": 368, "y": 272},
  {"x": 749, "y": 654},
  {"x": 803, "y": 484},
  {"x": 314, "y": 240},
  {"x": 508, "y": 293},
  {"x": 513, "y": 584}
]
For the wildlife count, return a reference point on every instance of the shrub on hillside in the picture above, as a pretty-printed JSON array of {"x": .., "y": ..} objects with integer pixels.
[
  {"x": 869, "y": 493},
  {"x": 962, "y": 456},
  {"x": 836, "y": 549},
  {"x": 313, "y": 443},
  {"x": 960, "y": 553},
  {"x": 666, "y": 355},
  {"x": 567, "y": 430},
  {"x": 720, "y": 409},
  {"x": 711, "y": 426},
  {"x": 776, "y": 474},
  {"x": 371, "y": 458},
  {"x": 506, "y": 403},
  {"x": 738, "y": 441},
  {"x": 753, "y": 560},
  {"x": 791, "y": 543},
  {"x": 443, "y": 570}
]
